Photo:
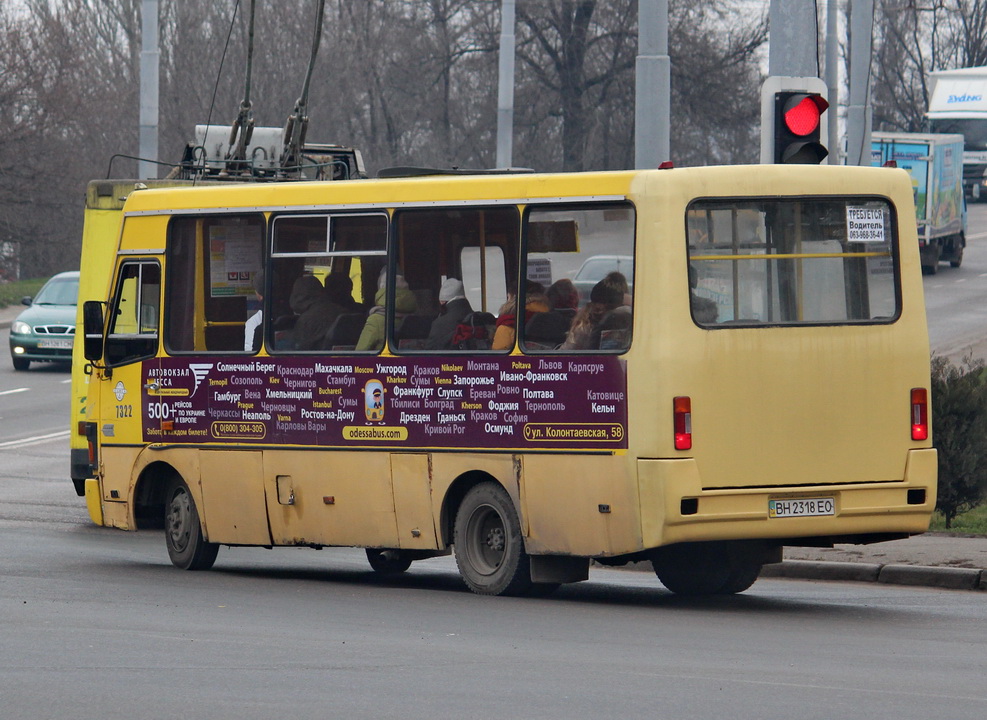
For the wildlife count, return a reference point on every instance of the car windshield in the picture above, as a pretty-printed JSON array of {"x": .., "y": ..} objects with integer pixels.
[
  {"x": 974, "y": 130},
  {"x": 59, "y": 291},
  {"x": 596, "y": 269}
]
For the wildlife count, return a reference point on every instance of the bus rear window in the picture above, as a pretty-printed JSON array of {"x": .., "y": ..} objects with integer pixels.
[{"x": 792, "y": 261}]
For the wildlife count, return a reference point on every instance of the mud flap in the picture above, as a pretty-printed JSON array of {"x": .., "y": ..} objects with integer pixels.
[{"x": 558, "y": 569}]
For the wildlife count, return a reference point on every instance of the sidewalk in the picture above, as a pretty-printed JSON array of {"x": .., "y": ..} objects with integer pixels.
[{"x": 933, "y": 560}]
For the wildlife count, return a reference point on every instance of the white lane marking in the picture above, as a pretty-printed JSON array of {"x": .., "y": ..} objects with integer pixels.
[
  {"x": 66, "y": 382},
  {"x": 15, "y": 390},
  {"x": 36, "y": 440}
]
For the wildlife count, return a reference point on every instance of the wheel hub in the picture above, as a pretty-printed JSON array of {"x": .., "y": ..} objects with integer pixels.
[{"x": 495, "y": 539}]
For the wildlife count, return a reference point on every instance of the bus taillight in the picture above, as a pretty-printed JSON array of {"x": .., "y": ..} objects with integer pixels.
[
  {"x": 920, "y": 414},
  {"x": 683, "y": 422}
]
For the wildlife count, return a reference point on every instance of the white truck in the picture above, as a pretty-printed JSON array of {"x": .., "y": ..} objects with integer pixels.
[
  {"x": 958, "y": 104},
  {"x": 935, "y": 164}
]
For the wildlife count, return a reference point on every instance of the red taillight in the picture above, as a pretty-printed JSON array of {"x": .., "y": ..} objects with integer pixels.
[
  {"x": 920, "y": 414},
  {"x": 682, "y": 407},
  {"x": 88, "y": 430}
]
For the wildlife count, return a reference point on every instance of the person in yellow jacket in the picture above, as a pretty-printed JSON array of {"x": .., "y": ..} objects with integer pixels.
[
  {"x": 535, "y": 302},
  {"x": 374, "y": 331}
]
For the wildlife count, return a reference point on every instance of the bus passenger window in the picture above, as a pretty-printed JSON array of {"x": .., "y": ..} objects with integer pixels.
[
  {"x": 456, "y": 263},
  {"x": 212, "y": 266},
  {"x": 325, "y": 271},
  {"x": 584, "y": 257}
]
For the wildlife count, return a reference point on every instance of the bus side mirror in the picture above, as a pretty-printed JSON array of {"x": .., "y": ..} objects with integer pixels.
[{"x": 92, "y": 328}]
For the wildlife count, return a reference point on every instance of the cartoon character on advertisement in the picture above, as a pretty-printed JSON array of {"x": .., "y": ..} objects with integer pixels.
[{"x": 373, "y": 401}]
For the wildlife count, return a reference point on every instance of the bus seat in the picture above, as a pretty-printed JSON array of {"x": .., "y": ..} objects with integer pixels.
[
  {"x": 413, "y": 332},
  {"x": 546, "y": 329},
  {"x": 614, "y": 331},
  {"x": 345, "y": 331}
]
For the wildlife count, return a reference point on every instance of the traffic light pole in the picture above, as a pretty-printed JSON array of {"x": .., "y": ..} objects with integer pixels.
[
  {"x": 505, "y": 89},
  {"x": 792, "y": 45},
  {"x": 858, "y": 119},
  {"x": 653, "y": 86}
]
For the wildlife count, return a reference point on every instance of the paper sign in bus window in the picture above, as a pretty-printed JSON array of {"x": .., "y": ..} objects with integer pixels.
[{"x": 865, "y": 225}]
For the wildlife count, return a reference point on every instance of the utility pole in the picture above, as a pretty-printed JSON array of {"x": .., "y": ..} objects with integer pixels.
[
  {"x": 858, "y": 119},
  {"x": 653, "y": 86},
  {"x": 793, "y": 34},
  {"x": 505, "y": 88},
  {"x": 148, "y": 152},
  {"x": 833, "y": 80}
]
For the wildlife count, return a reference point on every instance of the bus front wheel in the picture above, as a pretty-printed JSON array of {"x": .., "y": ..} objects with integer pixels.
[
  {"x": 187, "y": 546},
  {"x": 488, "y": 544}
]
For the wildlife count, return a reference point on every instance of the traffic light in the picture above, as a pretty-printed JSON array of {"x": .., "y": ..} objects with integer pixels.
[{"x": 797, "y": 124}]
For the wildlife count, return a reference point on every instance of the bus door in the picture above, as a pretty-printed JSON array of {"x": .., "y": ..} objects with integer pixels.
[{"x": 130, "y": 373}]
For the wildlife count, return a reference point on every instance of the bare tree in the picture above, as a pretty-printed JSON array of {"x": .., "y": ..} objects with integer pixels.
[
  {"x": 571, "y": 54},
  {"x": 913, "y": 39}
]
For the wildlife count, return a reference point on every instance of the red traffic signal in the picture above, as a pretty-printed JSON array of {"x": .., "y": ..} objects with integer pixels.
[{"x": 798, "y": 117}]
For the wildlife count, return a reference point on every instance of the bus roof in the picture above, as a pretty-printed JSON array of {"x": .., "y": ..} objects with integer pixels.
[{"x": 732, "y": 180}]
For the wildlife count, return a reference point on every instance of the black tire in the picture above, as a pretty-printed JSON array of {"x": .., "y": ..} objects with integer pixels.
[
  {"x": 20, "y": 363},
  {"x": 388, "y": 562},
  {"x": 187, "y": 546},
  {"x": 488, "y": 544},
  {"x": 712, "y": 568},
  {"x": 957, "y": 258},
  {"x": 743, "y": 574}
]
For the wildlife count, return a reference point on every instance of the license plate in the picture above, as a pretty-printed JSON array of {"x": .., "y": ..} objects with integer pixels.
[
  {"x": 801, "y": 507},
  {"x": 56, "y": 343}
]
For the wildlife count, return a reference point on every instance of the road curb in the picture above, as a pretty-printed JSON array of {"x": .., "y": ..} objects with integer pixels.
[{"x": 922, "y": 575}]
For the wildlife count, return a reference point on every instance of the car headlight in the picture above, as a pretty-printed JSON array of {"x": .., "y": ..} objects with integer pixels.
[{"x": 20, "y": 328}]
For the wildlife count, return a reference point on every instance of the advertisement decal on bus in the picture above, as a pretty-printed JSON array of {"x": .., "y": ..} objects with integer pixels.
[{"x": 529, "y": 403}]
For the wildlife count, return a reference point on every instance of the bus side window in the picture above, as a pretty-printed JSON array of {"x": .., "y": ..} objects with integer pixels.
[
  {"x": 456, "y": 264},
  {"x": 325, "y": 271},
  {"x": 579, "y": 267},
  {"x": 212, "y": 262}
]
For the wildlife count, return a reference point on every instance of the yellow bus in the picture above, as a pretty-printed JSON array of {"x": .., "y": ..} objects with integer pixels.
[{"x": 693, "y": 367}]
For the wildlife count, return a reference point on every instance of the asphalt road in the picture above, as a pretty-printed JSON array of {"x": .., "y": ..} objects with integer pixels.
[
  {"x": 956, "y": 298},
  {"x": 96, "y": 623}
]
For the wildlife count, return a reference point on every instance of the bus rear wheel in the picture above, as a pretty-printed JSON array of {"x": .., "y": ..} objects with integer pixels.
[
  {"x": 388, "y": 562},
  {"x": 711, "y": 568},
  {"x": 187, "y": 546},
  {"x": 488, "y": 544}
]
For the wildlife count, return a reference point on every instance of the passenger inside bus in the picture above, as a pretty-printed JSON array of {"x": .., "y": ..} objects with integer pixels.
[
  {"x": 453, "y": 307},
  {"x": 562, "y": 295},
  {"x": 535, "y": 302},
  {"x": 374, "y": 330},
  {"x": 548, "y": 330},
  {"x": 339, "y": 290},
  {"x": 605, "y": 321},
  {"x": 315, "y": 311},
  {"x": 704, "y": 310},
  {"x": 252, "y": 328}
]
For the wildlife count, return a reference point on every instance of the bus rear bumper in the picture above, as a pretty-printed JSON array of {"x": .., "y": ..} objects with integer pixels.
[{"x": 672, "y": 489}]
